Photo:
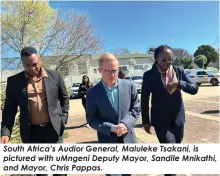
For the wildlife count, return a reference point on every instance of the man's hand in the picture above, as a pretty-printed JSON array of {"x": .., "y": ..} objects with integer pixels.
[
  {"x": 121, "y": 129},
  {"x": 4, "y": 139},
  {"x": 172, "y": 85},
  {"x": 147, "y": 128}
]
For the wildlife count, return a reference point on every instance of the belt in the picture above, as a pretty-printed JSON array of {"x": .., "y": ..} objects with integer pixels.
[{"x": 41, "y": 124}]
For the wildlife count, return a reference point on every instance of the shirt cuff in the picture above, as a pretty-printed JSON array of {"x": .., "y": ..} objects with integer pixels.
[{"x": 113, "y": 128}]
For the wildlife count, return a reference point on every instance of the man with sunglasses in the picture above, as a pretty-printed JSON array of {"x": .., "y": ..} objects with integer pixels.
[
  {"x": 42, "y": 99},
  {"x": 112, "y": 105}
]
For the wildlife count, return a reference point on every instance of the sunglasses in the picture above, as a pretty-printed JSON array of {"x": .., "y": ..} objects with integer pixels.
[{"x": 167, "y": 60}]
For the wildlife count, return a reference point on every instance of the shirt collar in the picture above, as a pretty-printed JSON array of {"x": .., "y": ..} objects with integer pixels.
[
  {"x": 43, "y": 74},
  {"x": 115, "y": 86}
]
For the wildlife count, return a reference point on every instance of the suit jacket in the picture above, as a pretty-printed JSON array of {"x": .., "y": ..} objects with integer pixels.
[
  {"x": 101, "y": 115},
  {"x": 166, "y": 109},
  {"x": 17, "y": 96}
]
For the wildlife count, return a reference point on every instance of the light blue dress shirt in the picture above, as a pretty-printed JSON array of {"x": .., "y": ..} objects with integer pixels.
[{"x": 113, "y": 95}]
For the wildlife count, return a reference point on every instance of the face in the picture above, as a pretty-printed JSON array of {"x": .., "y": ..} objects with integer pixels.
[
  {"x": 109, "y": 71},
  {"x": 85, "y": 79},
  {"x": 32, "y": 64},
  {"x": 164, "y": 60}
]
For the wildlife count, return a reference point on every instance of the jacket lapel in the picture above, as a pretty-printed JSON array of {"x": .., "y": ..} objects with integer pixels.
[
  {"x": 177, "y": 74},
  {"x": 121, "y": 97},
  {"x": 25, "y": 90},
  {"x": 50, "y": 88},
  {"x": 47, "y": 83}
]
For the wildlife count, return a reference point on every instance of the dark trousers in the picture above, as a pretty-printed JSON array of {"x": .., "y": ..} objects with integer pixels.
[
  {"x": 172, "y": 135},
  {"x": 45, "y": 134},
  {"x": 84, "y": 102}
]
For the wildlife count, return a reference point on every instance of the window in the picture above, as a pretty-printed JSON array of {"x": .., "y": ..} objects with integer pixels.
[
  {"x": 202, "y": 73},
  {"x": 212, "y": 72},
  {"x": 138, "y": 67},
  {"x": 136, "y": 77}
]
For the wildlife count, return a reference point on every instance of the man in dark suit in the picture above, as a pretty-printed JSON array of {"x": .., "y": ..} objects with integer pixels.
[
  {"x": 121, "y": 74},
  {"x": 112, "y": 105},
  {"x": 164, "y": 82},
  {"x": 42, "y": 99}
]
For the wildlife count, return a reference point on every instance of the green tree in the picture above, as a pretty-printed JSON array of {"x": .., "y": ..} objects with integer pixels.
[
  {"x": 209, "y": 52},
  {"x": 180, "y": 56},
  {"x": 34, "y": 23},
  {"x": 186, "y": 63},
  {"x": 191, "y": 66},
  {"x": 200, "y": 60},
  {"x": 24, "y": 23}
]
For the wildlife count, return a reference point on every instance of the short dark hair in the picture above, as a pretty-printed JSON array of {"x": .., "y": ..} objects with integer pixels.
[
  {"x": 160, "y": 49},
  {"x": 28, "y": 51},
  {"x": 121, "y": 74}
]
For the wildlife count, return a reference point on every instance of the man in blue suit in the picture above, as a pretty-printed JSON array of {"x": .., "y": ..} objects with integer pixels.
[{"x": 112, "y": 105}]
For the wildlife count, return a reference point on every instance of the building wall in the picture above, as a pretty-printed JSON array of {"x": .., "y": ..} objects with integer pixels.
[
  {"x": 133, "y": 66},
  {"x": 86, "y": 65}
]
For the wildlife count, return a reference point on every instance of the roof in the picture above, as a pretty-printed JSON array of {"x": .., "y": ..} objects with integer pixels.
[
  {"x": 125, "y": 59},
  {"x": 129, "y": 56}
]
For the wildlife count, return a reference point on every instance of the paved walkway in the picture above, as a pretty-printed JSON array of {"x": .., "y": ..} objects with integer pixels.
[
  {"x": 202, "y": 126},
  {"x": 202, "y": 112},
  {"x": 202, "y": 122}
]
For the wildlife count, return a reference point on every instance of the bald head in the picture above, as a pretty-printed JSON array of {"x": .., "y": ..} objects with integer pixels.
[{"x": 107, "y": 57}]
